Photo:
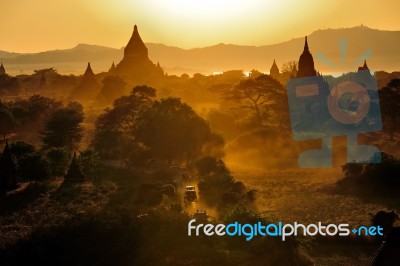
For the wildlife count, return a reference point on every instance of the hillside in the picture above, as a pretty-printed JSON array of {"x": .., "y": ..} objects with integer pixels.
[{"x": 383, "y": 45}]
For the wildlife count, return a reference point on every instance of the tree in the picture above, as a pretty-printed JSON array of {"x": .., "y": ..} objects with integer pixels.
[
  {"x": 289, "y": 67},
  {"x": 259, "y": 95},
  {"x": 39, "y": 106},
  {"x": 172, "y": 130},
  {"x": 390, "y": 105},
  {"x": 9, "y": 85},
  {"x": 88, "y": 161},
  {"x": 7, "y": 170},
  {"x": 21, "y": 148},
  {"x": 58, "y": 159},
  {"x": 30, "y": 115},
  {"x": 139, "y": 126},
  {"x": 125, "y": 109},
  {"x": 115, "y": 128},
  {"x": 7, "y": 121},
  {"x": 207, "y": 165},
  {"x": 34, "y": 166},
  {"x": 213, "y": 186},
  {"x": 44, "y": 71},
  {"x": 113, "y": 87},
  {"x": 64, "y": 127},
  {"x": 254, "y": 73},
  {"x": 232, "y": 76}
]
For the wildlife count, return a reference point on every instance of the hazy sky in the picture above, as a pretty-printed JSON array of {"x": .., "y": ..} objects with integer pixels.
[{"x": 31, "y": 26}]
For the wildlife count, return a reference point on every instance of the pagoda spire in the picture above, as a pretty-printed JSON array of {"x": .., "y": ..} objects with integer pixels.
[
  {"x": 136, "y": 47},
  {"x": 74, "y": 172},
  {"x": 2, "y": 69},
  {"x": 274, "y": 71},
  {"x": 88, "y": 69},
  {"x": 88, "y": 87},
  {"x": 112, "y": 68},
  {"x": 306, "y": 63},
  {"x": 136, "y": 65},
  {"x": 365, "y": 66},
  {"x": 306, "y": 45}
]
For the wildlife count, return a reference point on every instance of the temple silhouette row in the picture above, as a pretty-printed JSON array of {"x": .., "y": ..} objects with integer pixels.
[
  {"x": 306, "y": 66},
  {"x": 137, "y": 68}
]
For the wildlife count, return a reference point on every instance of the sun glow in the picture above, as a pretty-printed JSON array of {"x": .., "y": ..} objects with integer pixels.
[
  {"x": 207, "y": 22},
  {"x": 45, "y": 24},
  {"x": 206, "y": 10}
]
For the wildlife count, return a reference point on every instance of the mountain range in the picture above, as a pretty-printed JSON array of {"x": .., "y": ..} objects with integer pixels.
[{"x": 382, "y": 46}]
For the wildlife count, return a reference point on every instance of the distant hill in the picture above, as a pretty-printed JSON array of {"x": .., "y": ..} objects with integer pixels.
[{"x": 383, "y": 44}]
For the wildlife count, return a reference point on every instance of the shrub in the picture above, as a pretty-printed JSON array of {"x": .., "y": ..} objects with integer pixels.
[
  {"x": 208, "y": 165},
  {"x": 59, "y": 159},
  {"x": 34, "y": 167},
  {"x": 381, "y": 178}
]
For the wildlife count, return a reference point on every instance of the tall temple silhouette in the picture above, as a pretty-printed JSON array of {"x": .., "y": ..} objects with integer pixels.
[
  {"x": 364, "y": 67},
  {"x": 88, "y": 88},
  {"x": 306, "y": 63},
  {"x": 274, "y": 71},
  {"x": 2, "y": 69},
  {"x": 136, "y": 64}
]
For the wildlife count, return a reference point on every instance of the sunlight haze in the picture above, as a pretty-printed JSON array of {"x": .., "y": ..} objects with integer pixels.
[{"x": 32, "y": 26}]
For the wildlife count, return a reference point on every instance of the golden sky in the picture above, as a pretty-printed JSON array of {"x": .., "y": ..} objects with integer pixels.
[{"x": 31, "y": 26}]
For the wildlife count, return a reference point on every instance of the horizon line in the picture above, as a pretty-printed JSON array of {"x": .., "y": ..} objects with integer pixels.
[{"x": 192, "y": 48}]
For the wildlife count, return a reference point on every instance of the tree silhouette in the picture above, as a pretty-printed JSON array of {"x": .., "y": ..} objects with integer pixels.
[
  {"x": 390, "y": 105},
  {"x": 113, "y": 87},
  {"x": 259, "y": 95},
  {"x": 119, "y": 122},
  {"x": 64, "y": 127},
  {"x": 289, "y": 68},
  {"x": 125, "y": 110},
  {"x": 7, "y": 121},
  {"x": 33, "y": 166},
  {"x": 172, "y": 130},
  {"x": 58, "y": 159}
]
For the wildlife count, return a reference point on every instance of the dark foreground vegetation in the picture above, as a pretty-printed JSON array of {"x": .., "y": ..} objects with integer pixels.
[
  {"x": 374, "y": 179},
  {"x": 83, "y": 185},
  {"x": 101, "y": 223}
]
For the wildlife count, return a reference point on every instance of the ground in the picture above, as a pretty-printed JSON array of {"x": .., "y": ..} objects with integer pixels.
[
  {"x": 305, "y": 196},
  {"x": 310, "y": 196}
]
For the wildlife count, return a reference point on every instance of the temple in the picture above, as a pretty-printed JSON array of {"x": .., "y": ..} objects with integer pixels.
[
  {"x": 112, "y": 68},
  {"x": 136, "y": 64},
  {"x": 364, "y": 67},
  {"x": 88, "y": 88},
  {"x": 306, "y": 63},
  {"x": 2, "y": 69},
  {"x": 74, "y": 172},
  {"x": 274, "y": 71}
]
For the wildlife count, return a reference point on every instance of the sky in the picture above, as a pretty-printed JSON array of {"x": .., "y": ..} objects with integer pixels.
[{"x": 41, "y": 25}]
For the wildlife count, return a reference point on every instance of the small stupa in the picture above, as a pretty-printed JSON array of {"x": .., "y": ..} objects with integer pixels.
[
  {"x": 274, "y": 71},
  {"x": 2, "y": 69},
  {"x": 74, "y": 172},
  {"x": 88, "y": 88}
]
